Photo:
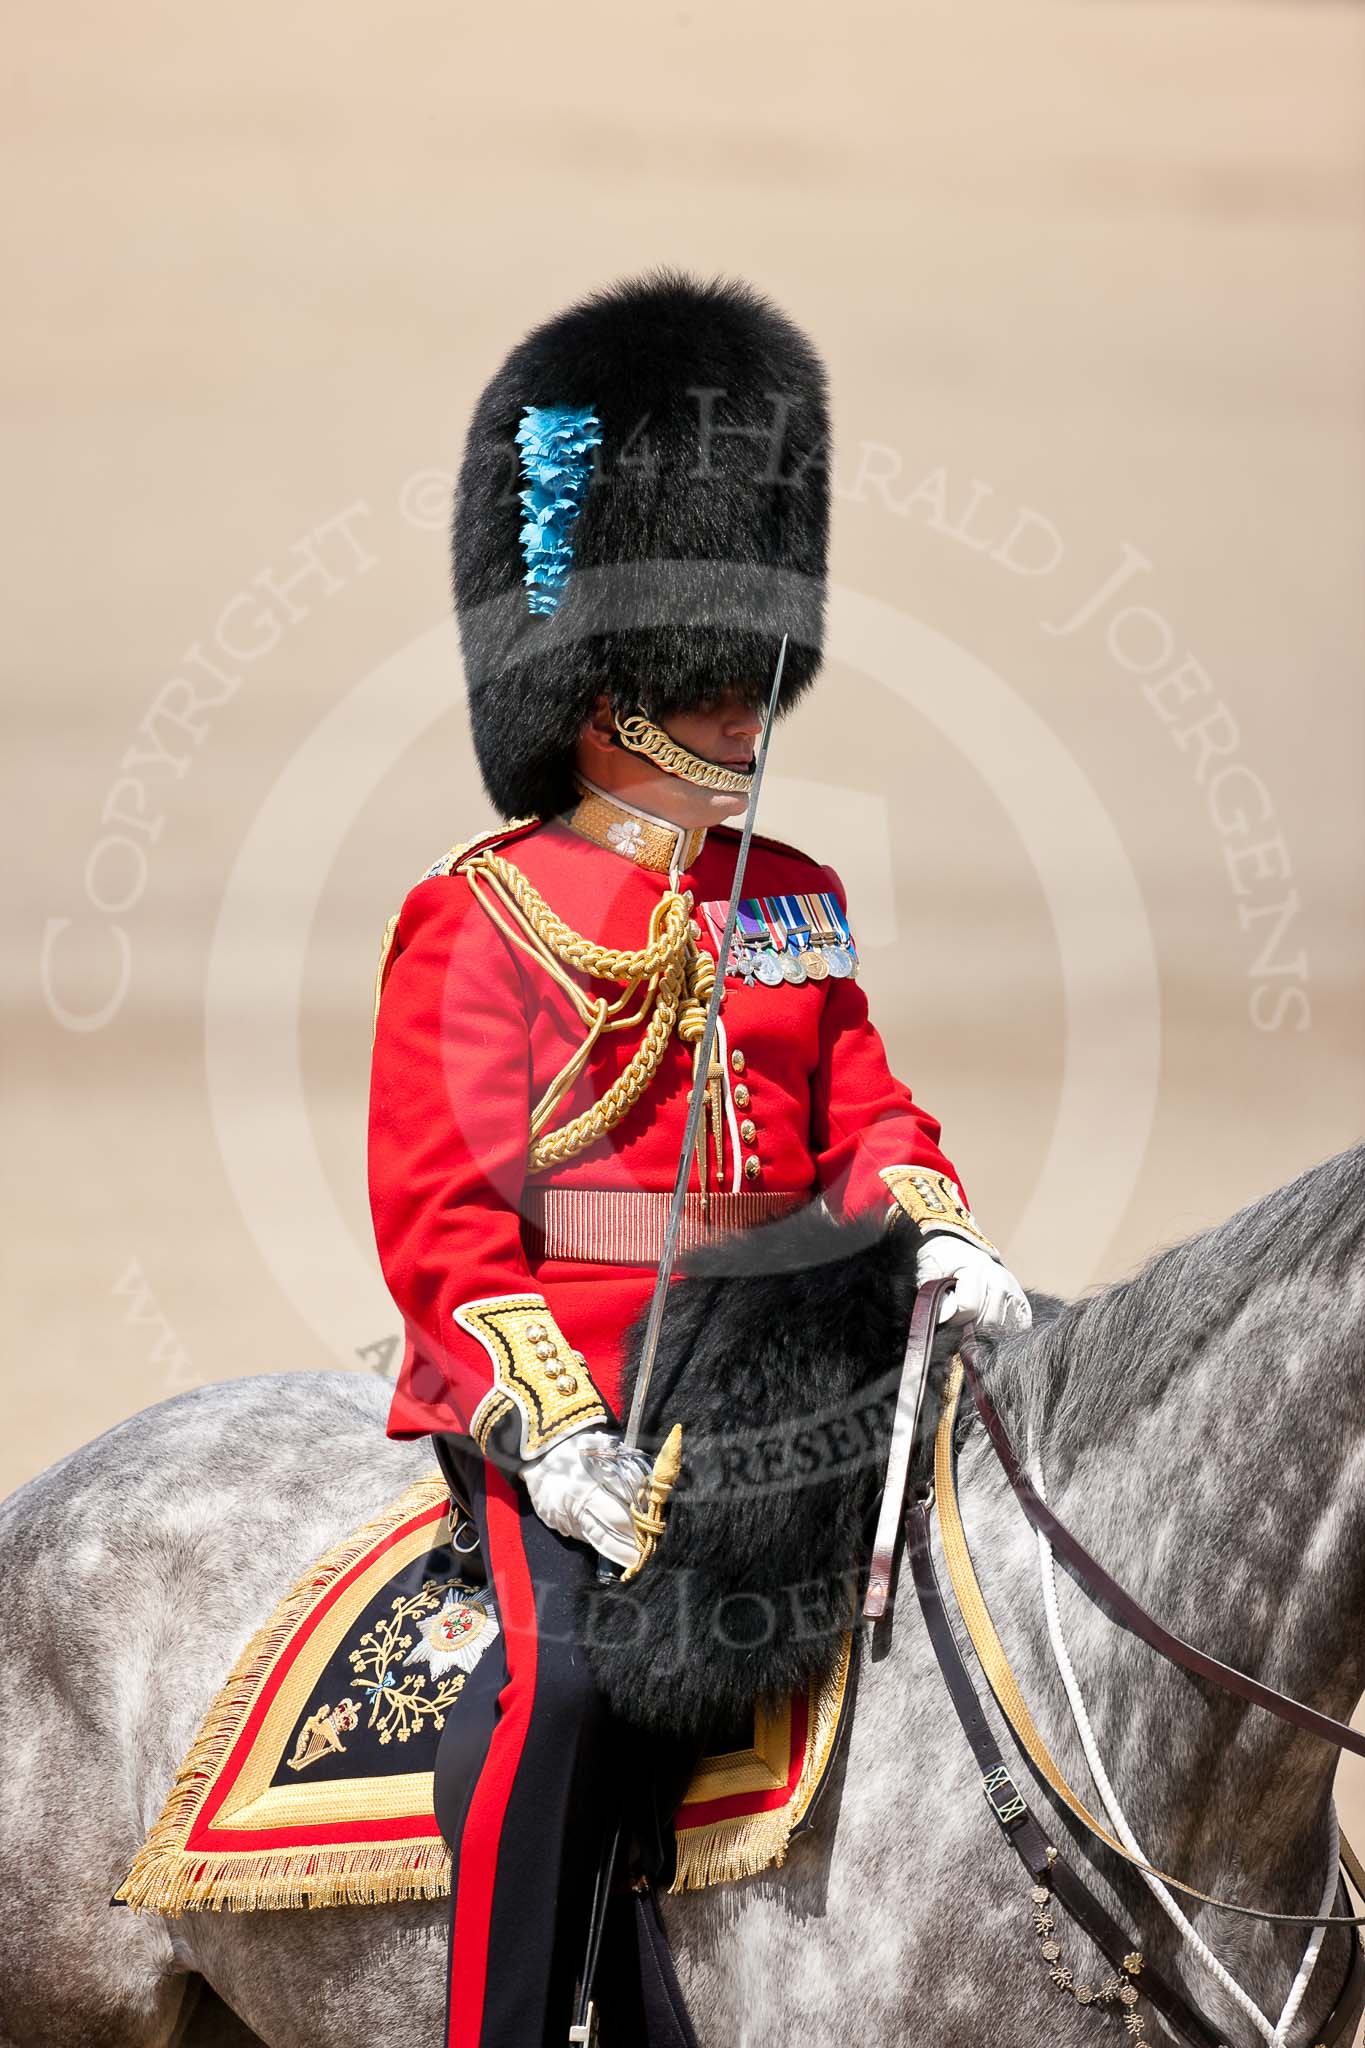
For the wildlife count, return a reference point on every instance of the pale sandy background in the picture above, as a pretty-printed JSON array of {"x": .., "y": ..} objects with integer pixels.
[{"x": 1098, "y": 261}]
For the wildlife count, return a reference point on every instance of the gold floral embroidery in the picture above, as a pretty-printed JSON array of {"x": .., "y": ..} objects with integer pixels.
[{"x": 399, "y": 1705}]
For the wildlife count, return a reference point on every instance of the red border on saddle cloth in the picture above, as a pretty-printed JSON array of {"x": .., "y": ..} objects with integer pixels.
[{"x": 700, "y": 1813}]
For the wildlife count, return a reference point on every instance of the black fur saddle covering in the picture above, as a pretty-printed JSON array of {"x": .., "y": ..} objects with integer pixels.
[{"x": 781, "y": 1358}]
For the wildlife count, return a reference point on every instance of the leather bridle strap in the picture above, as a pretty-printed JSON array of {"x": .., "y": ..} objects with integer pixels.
[
  {"x": 1125, "y": 1609},
  {"x": 919, "y": 1346},
  {"x": 1005, "y": 1686},
  {"x": 1003, "y": 1683},
  {"x": 1043, "y": 1863}
]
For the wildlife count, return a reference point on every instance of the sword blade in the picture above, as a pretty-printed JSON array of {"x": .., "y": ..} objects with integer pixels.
[{"x": 668, "y": 1258}]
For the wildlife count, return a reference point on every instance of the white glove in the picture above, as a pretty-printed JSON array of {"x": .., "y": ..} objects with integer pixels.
[
  {"x": 583, "y": 1487},
  {"x": 984, "y": 1292}
]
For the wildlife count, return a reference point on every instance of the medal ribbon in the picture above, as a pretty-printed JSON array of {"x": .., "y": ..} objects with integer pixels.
[
  {"x": 835, "y": 911},
  {"x": 797, "y": 930}
]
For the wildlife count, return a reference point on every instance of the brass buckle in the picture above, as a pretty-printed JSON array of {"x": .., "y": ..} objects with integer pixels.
[{"x": 1003, "y": 1798}]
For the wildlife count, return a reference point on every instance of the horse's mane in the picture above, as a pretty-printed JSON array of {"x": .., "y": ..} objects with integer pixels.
[{"x": 1089, "y": 1362}]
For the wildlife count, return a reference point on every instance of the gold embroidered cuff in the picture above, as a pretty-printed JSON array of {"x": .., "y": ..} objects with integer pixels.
[
  {"x": 536, "y": 1375},
  {"x": 932, "y": 1201}
]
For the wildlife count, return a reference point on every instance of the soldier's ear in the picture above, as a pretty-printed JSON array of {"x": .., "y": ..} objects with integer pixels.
[{"x": 599, "y": 732}]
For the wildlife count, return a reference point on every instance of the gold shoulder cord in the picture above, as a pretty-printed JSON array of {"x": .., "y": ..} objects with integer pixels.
[{"x": 671, "y": 975}]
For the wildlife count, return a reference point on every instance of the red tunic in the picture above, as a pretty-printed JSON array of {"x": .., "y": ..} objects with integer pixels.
[{"x": 470, "y": 1033}]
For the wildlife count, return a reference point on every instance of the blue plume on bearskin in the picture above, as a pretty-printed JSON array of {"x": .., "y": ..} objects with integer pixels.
[{"x": 556, "y": 444}]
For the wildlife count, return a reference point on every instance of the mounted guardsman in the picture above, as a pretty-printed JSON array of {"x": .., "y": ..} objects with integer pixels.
[{"x": 641, "y": 519}]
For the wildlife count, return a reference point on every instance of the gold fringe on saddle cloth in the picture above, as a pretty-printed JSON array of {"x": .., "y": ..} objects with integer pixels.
[
  {"x": 273, "y": 1879},
  {"x": 737, "y": 1819}
]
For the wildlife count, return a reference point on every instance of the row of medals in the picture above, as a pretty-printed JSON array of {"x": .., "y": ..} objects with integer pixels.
[{"x": 787, "y": 939}]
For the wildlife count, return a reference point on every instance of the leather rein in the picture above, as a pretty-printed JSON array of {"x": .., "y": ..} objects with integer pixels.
[
  {"x": 1052, "y": 1876},
  {"x": 1108, "y": 1593}
]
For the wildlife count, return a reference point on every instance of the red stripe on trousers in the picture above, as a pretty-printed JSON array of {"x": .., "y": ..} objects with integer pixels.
[{"x": 481, "y": 1836}]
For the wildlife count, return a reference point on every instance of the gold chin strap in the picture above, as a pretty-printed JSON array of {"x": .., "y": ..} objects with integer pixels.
[
  {"x": 642, "y": 736},
  {"x": 671, "y": 976},
  {"x": 996, "y": 1664}
]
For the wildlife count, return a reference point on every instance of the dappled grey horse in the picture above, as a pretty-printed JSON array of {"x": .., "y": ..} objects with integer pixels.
[{"x": 1201, "y": 1426}]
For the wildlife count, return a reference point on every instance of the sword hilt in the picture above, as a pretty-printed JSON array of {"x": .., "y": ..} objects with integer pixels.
[{"x": 649, "y": 1517}]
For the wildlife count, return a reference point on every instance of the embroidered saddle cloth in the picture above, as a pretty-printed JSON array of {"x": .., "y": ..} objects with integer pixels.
[{"x": 310, "y": 1781}]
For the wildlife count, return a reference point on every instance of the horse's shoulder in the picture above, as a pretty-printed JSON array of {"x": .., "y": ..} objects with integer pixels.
[{"x": 225, "y": 1432}]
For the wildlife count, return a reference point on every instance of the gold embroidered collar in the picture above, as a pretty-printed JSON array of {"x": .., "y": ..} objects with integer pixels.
[{"x": 654, "y": 843}]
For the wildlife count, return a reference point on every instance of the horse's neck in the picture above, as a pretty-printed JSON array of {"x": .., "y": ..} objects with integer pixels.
[
  {"x": 1250, "y": 1542},
  {"x": 1246, "y": 1592},
  {"x": 1240, "y": 1526}
]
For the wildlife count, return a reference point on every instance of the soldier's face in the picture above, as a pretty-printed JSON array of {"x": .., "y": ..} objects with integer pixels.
[{"x": 724, "y": 732}]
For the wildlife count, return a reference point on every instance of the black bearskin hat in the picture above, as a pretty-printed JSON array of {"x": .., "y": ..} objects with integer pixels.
[{"x": 642, "y": 512}]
